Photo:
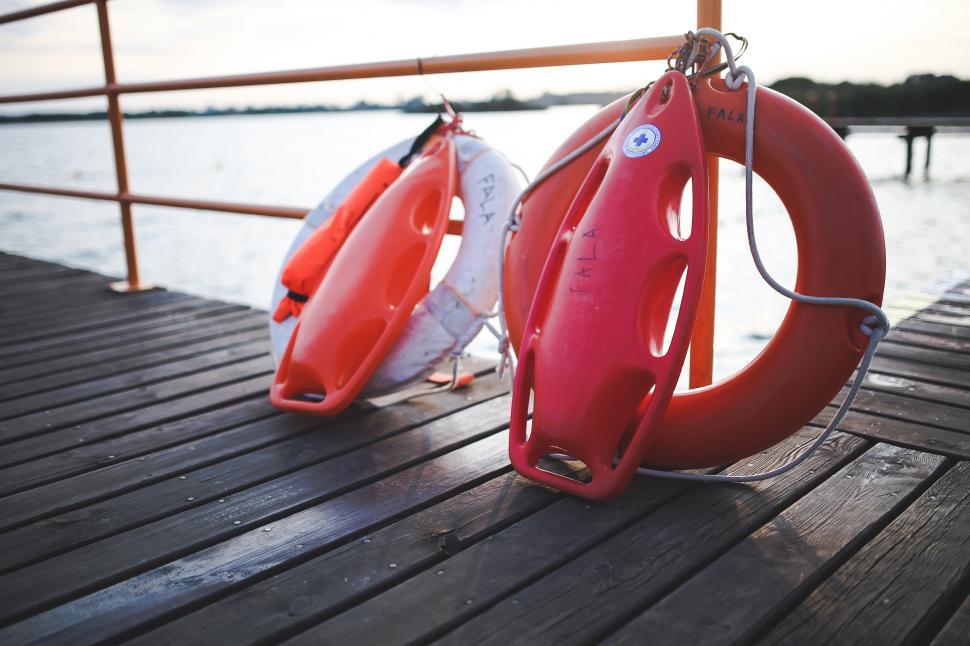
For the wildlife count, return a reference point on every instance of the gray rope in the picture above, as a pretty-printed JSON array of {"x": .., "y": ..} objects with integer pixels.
[{"x": 874, "y": 339}]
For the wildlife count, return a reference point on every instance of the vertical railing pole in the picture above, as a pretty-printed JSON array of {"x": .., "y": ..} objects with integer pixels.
[
  {"x": 702, "y": 338},
  {"x": 121, "y": 168}
]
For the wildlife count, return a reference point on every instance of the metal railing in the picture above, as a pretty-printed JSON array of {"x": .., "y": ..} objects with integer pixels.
[{"x": 641, "y": 49}]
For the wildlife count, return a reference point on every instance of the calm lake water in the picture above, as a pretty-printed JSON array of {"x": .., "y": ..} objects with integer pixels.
[{"x": 296, "y": 159}]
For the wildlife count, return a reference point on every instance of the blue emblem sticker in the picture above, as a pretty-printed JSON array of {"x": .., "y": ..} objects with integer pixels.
[{"x": 641, "y": 141}]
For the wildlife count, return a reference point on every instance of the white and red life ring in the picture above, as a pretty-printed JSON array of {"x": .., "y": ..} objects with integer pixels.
[{"x": 451, "y": 314}]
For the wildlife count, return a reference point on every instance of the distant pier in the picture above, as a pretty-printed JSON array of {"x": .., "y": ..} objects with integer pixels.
[{"x": 909, "y": 128}]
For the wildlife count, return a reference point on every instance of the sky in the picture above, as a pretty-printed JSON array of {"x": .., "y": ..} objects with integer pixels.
[{"x": 828, "y": 40}]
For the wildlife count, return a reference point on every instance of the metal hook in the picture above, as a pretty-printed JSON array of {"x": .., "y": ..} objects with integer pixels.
[{"x": 454, "y": 116}]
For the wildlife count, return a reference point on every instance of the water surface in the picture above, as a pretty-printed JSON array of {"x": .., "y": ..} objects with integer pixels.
[{"x": 296, "y": 159}]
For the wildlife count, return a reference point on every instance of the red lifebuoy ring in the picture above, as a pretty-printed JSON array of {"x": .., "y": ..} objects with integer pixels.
[{"x": 841, "y": 252}]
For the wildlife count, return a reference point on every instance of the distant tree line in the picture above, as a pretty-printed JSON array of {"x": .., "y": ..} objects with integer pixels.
[
  {"x": 46, "y": 117},
  {"x": 919, "y": 95},
  {"x": 504, "y": 101}
]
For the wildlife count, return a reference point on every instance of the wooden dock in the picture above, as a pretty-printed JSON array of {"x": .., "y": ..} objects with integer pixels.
[{"x": 149, "y": 493}]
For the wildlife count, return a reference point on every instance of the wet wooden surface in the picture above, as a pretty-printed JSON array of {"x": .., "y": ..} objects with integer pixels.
[{"x": 150, "y": 493}]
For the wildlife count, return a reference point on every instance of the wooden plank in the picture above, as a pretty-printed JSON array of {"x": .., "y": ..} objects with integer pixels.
[
  {"x": 229, "y": 333},
  {"x": 252, "y": 347},
  {"x": 115, "y": 610},
  {"x": 956, "y": 631},
  {"x": 53, "y": 301},
  {"x": 29, "y": 274},
  {"x": 14, "y": 316},
  {"x": 70, "y": 285},
  {"x": 71, "y": 478},
  {"x": 428, "y": 604},
  {"x": 15, "y": 264},
  {"x": 53, "y": 311},
  {"x": 89, "y": 312},
  {"x": 398, "y": 544},
  {"x": 25, "y": 302},
  {"x": 49, "y": 422},
  {"x": 11, "y": 267},
  {"x": 184, "y": 395},
  {"x": 96, "y": 430},
  {"x": 211, "y": 467},
  {"x": 957, "y": 296},
  {"x": 33, "y": 352},
  {"x": 124, "y": 303},
  {"x": 889, "y": 591},
  {"x": 49, "y": 280},
  {"x": 883, "y": 382},
  {"x": 918, "y": 411},
  {"x": 900, "y": 432},
  {"x": 52, "y": 327},
  {"x": 944, "y": 318},
  {"x": 335, "y": 577},
  {"x": 936, "y": 329},
  {"x": 950, "y": 303},
  {"x": 46, "y": 275},
  {"x": 732, "y": 598},
  {"x": 17, "y": 272},
  {"x": 90, "y": 506},
  {"x": 928, "y": 355},
  {"x": 923, "y": 371},
  {"x": 16, "y": 260},
  {"x": 12, "y": 260},
  {"x": 921, "y": 339},
  {"x": 87, "y": 360},
  {"x": 68, "y": 341},
  {"x": 941, "y": 307},
  {"x": 56, "y": 580},
  {"x": 587, "y": 596},
  {"x": 173, "y": 447}
]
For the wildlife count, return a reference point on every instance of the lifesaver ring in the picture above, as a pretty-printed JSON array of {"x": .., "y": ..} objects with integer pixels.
[
  {"x": 841, "y": 252},
  {"x": 429, "y": 326}
]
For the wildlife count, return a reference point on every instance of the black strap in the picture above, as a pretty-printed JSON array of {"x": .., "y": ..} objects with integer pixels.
[
  {"x": 420, "y": 141},
  {"x": 297, "y": 296}
]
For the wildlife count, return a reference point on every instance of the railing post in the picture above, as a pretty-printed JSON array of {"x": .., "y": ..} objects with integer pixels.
[
  {"x": 702, "y": 338},
  {"x": 121, "y": 168}
]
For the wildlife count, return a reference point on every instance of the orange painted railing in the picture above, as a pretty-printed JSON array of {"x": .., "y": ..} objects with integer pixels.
[{"x": 641, "y": 49}]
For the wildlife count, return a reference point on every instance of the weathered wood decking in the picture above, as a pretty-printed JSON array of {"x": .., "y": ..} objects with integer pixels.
[{"x": 148, "y": 492}]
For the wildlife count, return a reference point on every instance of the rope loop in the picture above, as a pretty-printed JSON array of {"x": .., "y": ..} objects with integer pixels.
[{"x": 736, "y": 76}]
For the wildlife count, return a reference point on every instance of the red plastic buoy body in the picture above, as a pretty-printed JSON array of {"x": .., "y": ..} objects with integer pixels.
[
  {"x": 369, "y": 290},
  {"x": 594, "y": 343},
  {"x": 841, "y": 252}
]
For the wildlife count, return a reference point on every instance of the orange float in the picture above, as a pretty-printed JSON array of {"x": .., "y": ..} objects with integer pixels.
[
  {"x": 841, "y": 253},
  {"x": 307, "y": 266},
  {"x": 367, "y": 294}
]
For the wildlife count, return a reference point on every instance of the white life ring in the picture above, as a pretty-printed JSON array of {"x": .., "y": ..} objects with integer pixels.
[{"x": 451, "y": 315}]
